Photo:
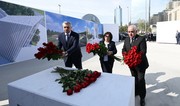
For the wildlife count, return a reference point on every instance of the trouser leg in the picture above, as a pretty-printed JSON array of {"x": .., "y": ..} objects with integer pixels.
[
  {"x": 106, "y": 67},
  {"x": 140, "y": 85},
  {"x": 67, "y": 62},
  {"x": 78, "y": 63},
  {"x": 134, "y": 74}
]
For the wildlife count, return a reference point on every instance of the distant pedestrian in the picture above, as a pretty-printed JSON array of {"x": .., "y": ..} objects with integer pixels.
[{"x": 178, "y": 37}]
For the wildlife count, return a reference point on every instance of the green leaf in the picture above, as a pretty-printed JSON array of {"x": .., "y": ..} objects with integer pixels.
[{"x": 57, "y": 79}]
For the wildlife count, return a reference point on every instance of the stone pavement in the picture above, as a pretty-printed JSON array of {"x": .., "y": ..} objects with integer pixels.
[{"x": 162, "y": 76}]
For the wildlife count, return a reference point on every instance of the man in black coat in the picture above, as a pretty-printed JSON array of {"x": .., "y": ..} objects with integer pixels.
[
  {"x": 138, "y": 71},
  {"x": 69, "y": 41}
]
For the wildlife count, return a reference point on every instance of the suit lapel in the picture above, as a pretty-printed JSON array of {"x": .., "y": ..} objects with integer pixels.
[
  {"x": 64, "y": 37},
  {"x": 129, "y": 43},
  {"x": 136, "y": 40}
]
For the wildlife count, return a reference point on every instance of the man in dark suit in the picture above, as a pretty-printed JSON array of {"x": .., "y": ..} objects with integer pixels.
[
  {"x": 138, "y": 71},
  {"x": 107, "y": 61},
  {"x": 69, "y": 41}
]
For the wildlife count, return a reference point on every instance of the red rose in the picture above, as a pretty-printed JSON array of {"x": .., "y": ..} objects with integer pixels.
[
  {"x": 96, "y": 74},
  {"x": 79, "y": 85},
  {"x": 69, "y": 92},
  {"x": 41, "y": 49},
  {"x": 86, "y": 79},
  {"x": 49, "y": 51},
  {"x": 88, "y": 47},
  {"x": 83, "y": 85},
  {"x": 86, "y": 84},
  {"x": 93, "y": 79},
  {"x": 77, "y": 89},
  {"x": 89, "y": 75},
  {"x": 60, "y": 51},
  {"x": 39, "y": 55},
  {"x": 96, "y": 46}
]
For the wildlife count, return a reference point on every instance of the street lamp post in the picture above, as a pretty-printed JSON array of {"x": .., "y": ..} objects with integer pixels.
[
  {"x": 149, "y": 12},
  {"x": 145, "y": 16},
  {"x": 129, "y": 15},
  {"x": 59, "y": 8}
]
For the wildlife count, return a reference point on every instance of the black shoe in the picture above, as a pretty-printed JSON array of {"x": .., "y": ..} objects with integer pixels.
[{"x": 142, "y": 102}]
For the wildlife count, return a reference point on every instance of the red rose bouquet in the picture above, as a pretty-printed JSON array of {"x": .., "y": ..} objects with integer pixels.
[
  {"x": 49, "y": 51},
  {"x": 132, "y": 58},
  {"x": 99, "y": 49},
  {"x": 75, "y": 80}
]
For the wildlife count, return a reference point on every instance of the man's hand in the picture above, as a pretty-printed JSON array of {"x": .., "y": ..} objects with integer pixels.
[{"x": 64, "y": 54}]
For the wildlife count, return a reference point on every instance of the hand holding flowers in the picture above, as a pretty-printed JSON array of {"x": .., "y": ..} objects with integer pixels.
[
  {"x": 49, "y": 51},
  {"x": 100, "y": 49}
]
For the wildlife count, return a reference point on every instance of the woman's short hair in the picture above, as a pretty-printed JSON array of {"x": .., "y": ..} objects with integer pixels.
[{"x": 110, "y": 35}]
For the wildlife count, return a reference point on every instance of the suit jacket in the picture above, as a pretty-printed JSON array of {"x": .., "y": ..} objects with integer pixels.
[
  {"x": 111, "y": 47},
  {"x": 72, "y": 46},
  {"x": 140, "y": 42}
]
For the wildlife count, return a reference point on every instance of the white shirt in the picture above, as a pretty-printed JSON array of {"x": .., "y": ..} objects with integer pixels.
[
  {"x": 67, "y": 34},
  {"x": 106, "y": 56},
  {"x": 106, "y": 43}
]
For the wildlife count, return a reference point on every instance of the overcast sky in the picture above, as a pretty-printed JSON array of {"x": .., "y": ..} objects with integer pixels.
[{"x": 103, "y": 9}]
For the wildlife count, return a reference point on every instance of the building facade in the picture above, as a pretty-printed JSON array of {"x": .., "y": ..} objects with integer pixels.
[
  {"x": 173, "y": 8},
  {"x": 118, "y": 16},
  {"x": 171, "y": 13}
]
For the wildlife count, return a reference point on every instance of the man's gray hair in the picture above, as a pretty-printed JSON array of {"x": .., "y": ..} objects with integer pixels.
[
  {"x": 134, "y": 27},
  {"x": 66, "y": 23}
]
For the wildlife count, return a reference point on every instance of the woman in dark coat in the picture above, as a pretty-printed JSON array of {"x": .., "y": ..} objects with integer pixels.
[{"x": 107, "y": 61}]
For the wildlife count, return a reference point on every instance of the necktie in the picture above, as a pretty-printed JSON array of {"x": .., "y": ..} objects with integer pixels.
[
  {"x": 67, "y": 38},
  {"x": 131, "y": 41}
]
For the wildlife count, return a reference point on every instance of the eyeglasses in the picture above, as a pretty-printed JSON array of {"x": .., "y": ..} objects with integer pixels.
[
  {"x": 66, "y": 27},
  {"x": 107, "y": 36}
]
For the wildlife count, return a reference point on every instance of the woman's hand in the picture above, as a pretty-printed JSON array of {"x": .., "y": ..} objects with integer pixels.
[{"x": 110, "y": 52}]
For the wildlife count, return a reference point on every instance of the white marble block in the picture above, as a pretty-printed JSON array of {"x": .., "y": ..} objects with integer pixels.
[{"x": 41, "y": 89}]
